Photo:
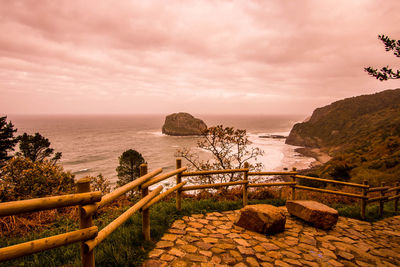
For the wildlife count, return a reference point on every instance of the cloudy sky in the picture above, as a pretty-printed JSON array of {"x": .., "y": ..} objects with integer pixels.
[{"x": 203, "y": 57}]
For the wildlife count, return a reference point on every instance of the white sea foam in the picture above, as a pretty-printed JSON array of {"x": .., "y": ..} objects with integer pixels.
[
  {"x": 153, "y": 133},
  {"x": 277, "y": 154},
  {"x": 81, "y": 171}
]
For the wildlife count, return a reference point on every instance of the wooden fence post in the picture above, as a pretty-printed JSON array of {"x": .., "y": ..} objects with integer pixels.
[
  {"x": 178, "y": 181},
  {"x": 293, "y": 186},
  {"x": 245, "y": 186},
  {"x": 145, "y": 212},
  {"x": 363, "y": 200},
  {"x": 396, "y": 201},
  {"x": 87, "y": 259},
  {"x": 381, "y": 202}
]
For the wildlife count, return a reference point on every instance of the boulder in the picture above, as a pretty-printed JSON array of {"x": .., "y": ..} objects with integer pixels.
[
  {"x": 262, "y": 218},
  {"x": 318, "y": 214},
  {"x": 182, "y": 124}
]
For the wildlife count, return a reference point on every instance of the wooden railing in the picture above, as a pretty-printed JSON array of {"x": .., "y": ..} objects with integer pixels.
[
  {"x": 27, "y": 248},
  {"x": 294, "y": 185},
  {"x": 90, "y": 202},
  {"x": 384, "y": 197}
]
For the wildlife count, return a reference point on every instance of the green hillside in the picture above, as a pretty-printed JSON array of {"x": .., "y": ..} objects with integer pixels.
[{"x": 361, "y": 133}]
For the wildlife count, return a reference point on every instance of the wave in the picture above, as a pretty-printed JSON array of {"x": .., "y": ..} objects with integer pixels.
[
  {"x": 154, "y": 133},
  {"x": 81, "y": 171}
]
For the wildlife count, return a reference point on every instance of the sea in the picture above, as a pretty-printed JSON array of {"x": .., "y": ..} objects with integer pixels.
[{"x": 92, "y": 144}]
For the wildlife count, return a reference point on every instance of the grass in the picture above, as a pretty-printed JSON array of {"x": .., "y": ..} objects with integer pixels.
[
  {"x": 371, "y": 212},
  {"x": 126, "y": 247}
]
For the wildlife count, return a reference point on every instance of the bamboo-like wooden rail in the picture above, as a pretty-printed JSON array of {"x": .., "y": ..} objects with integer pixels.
[
  {"x": 163, "y": 195},
  {"x": 162, "y": 177},
  {"x": 89, "y": 210},
  {"x": 46, "y": 203},
  {"x": 245, "y": 195},
  {"x": 144, "y": 191},
  {"x": 199, "y": 173},
  {"x": 91, "y": 237},
  {"x": 376, "y": 199},
  {"x": 271, "y": 173},
  {"x": 111, "y": 227},
  {"x": 393, "y": 197},
  {"x": 332, "y": 181},
  {"x": 204, "y": 186},
  {"x": 178, "y": 195},
  {"x": 363, "y": 203},
  {"x": 375, "y": 189},
  {"x": 394, "y": 189},
  {"x": 293, "y": 187},
  {"x": 330, "y": 191},
  {"x": 271, "y": 184},
  {"x": 31, "y": 247}
]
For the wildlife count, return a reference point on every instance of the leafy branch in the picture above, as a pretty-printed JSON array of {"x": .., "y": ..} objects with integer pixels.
[{"x": 386, "y": 73}]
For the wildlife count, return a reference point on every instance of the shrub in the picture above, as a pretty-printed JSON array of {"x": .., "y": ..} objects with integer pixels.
[
  {"x": 99, "y": 183},
  {"x": 23, "y": 179}
]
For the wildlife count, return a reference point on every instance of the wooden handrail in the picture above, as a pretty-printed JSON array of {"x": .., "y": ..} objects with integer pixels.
[
  {"x": 271, "y": 184},
  {"x": 163, "y": 195},
  {"x": 92, "y": 237},
  {"x": 162, "y": 177},
  {"x": 273, "y": 173},
  {"x": 332, "y": 181},
  {"x": 27, "y": 248},
  {"x": 394, "y": 189},
  {"x": 330, "y": 191},
  {"x": 394, "y": 197},
  {"x": 106, "y": 231},
  {"x": 375, "y": 199},
  {"x": 46, "y": 203},
  {"x": 203, "y": 186},
  {"x": 196, "y": 173},
  {"x": 375, "y": 189},
  {"x": 91, "y": 209}
]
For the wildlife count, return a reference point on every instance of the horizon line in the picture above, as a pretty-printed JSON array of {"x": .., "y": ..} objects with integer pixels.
[{"x": 152, "y": 114}]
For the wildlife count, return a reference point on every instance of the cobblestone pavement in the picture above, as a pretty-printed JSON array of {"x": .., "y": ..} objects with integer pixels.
[{"x": 213, "y": 240}]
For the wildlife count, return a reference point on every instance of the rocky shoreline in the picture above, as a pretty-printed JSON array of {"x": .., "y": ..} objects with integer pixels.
[{"x": 320, "y": 156}]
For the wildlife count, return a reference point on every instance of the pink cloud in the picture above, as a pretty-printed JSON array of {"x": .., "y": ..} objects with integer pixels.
[{"x": 126, "y": 56}]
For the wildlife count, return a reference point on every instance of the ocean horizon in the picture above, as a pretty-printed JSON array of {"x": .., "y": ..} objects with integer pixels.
[{"x": 91, "y": 144}]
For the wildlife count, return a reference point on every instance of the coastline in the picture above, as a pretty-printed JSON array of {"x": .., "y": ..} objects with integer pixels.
[{"x": 316, "y": 153}]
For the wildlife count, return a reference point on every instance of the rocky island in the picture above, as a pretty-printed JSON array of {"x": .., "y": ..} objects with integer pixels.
[{"x": 183, "y": 124}]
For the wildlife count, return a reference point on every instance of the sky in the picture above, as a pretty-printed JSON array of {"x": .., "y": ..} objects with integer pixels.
[{"x": 201, "y": 57}]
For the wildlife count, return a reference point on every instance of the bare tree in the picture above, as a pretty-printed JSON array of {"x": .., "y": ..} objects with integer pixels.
[{"x": 230, "y": 149}]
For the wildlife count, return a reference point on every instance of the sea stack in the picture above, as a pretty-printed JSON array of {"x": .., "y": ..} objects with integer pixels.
[{"x": 183, "y": 124}]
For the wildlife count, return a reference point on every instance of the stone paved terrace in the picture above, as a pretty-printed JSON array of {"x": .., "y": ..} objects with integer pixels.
[{"x": 213, "y": 240}]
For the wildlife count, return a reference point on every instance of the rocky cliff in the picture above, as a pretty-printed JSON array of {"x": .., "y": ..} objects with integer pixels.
[
  {"x": 182, "y": 124},
  {"x": 348, "y": 120},
  {"x": 361, "y": 134}
]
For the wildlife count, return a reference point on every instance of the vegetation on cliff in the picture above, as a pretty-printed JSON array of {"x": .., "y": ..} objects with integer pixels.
[{"x": 361, "y": 133}]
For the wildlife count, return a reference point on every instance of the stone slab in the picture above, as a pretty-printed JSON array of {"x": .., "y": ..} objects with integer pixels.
[{"x": 318, "y": 214}]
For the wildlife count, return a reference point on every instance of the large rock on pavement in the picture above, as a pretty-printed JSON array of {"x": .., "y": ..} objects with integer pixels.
[
  {"x": 182, "y": 124},
  {"x": 318, "y": 214},
  {"x": 262, "y": 218}
]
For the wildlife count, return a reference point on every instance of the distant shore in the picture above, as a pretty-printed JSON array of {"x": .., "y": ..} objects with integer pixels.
[{"x": 316, "y": 153}]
